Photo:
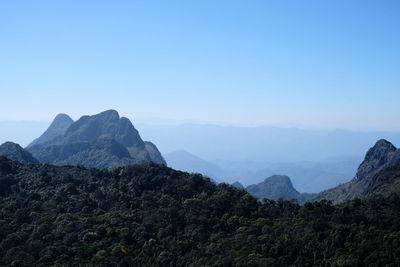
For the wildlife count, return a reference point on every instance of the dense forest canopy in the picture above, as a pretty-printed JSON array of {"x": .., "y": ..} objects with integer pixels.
[{"x": 151, "y": 215}]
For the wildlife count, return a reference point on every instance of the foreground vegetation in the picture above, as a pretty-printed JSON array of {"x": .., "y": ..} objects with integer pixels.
[{"x": 151, "y": 215}]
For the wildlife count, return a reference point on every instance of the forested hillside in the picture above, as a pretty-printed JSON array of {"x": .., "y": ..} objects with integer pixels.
[{"x": 151, "y": 215}]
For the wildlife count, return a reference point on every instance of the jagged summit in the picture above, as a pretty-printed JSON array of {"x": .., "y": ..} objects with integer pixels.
[
  {"x": 14, "y": 151},
  {"x": 381, "y": 149},
  {"x": 101, "y": 140},
  {"x": 57, "y": 128}
]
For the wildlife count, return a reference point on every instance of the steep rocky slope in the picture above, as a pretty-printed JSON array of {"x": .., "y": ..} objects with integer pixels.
[{"x": 380, "y": 163}]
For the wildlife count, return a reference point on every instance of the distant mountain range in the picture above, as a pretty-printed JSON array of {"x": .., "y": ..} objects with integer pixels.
[
  {"x": 379, "y": 173},
  {"x": 263, "y": 143},
  {"x": 315, "y": 160},
  {"x": 106, "y": 140},
  {"x": 185, "y": 161},
  {"x": 306, "y": 176}
]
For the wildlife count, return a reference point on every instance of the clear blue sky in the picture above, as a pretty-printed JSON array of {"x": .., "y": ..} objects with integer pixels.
[{"x": 311, "y": 63}]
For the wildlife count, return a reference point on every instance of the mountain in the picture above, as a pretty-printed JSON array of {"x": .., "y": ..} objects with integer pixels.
[
  {"x": 306, "y": 176},
  {"x": 238, "y": 185},
  {"x": 185, "y": 161},
  {"x": 385, "y": 182},
  {"x": 104, "y": 140},
  {"x": 377, "y": 171},
  {"x": 16, "y": 152},
  {"x": 274, "y": 187},
  {"x": 57, "y": 128},
  {"x": 310, "y": 177},
  {"x": 151, "y": 215}
]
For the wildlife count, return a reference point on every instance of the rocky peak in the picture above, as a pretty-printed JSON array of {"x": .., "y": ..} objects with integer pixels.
[
  {"x": 14, "y": 151},
  {"x": 380, "y": 155},
  {"x": 57, "y": 128},
  {"x": 274, "y": 187},
  {"x": 107, "y": 116},
  {"x": 62, "y": 118},
  {"x": 376, "y": 174},
  {"x": 380, "y": 150},
  {"x": 106, "y": 124}
]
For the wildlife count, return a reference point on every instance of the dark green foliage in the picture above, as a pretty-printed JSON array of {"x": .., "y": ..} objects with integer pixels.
[{"x": 150, "y": 215}]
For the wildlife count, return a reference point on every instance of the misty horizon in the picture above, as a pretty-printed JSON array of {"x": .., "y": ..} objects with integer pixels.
[{"x": 267, "y": 63}]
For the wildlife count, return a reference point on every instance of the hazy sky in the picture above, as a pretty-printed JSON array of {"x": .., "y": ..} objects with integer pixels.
[{"x": 313, "y": 63}]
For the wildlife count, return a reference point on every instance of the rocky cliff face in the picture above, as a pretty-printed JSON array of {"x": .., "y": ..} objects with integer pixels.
[
  {"x": 377, "y": 157},
  {"x": 103, "y": 140},
  {"x": 15, "y": 152},
  {"x": 378, "y": 162}
]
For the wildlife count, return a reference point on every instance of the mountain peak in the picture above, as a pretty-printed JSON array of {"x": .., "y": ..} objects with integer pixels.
[
  {"x": 381, "y": 148},
  {"x": 274, "y": 187},
  {"x": 14, "y": 151},
  {"x": 279, "y": 178},
  {"x": 61, "y": 117},
  {"x": 111, "y": 113},
  {"x": 377, "y": 165},
  {"x": 377, "y": 156},
  {"x": 57, "y": 128}
]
